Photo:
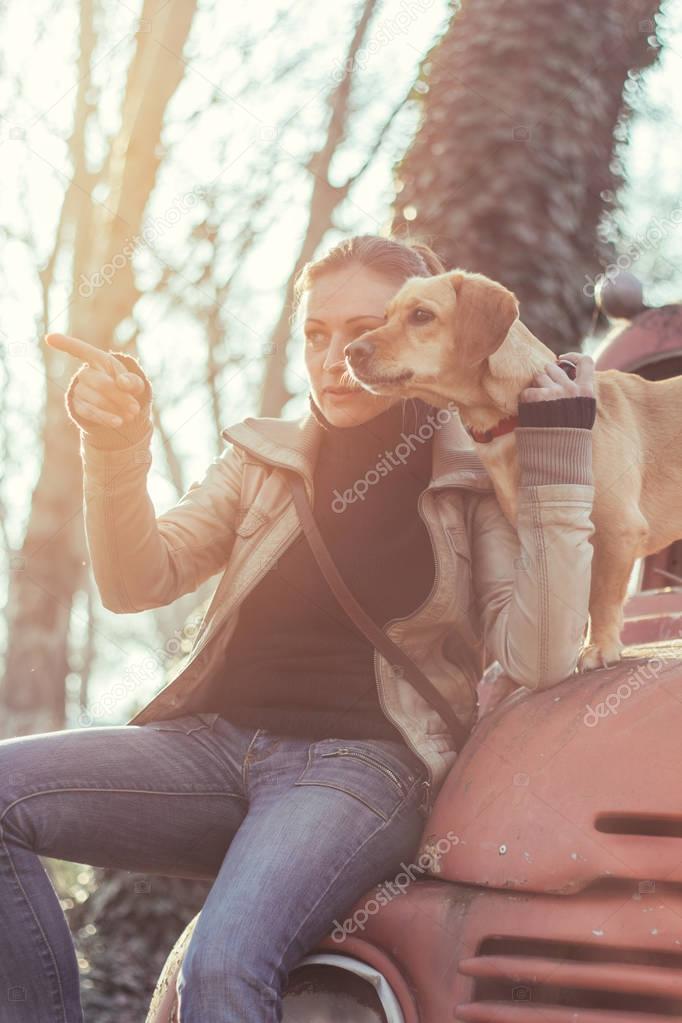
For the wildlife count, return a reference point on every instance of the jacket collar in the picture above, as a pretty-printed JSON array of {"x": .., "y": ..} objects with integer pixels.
[{"x": 294, "y": 443}]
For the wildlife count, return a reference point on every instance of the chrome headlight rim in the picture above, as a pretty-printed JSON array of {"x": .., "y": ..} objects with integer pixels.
[{"x": 351, "y": 964}]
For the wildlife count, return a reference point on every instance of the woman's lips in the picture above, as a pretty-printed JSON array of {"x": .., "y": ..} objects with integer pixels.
[{"x": 339, "y": 392}]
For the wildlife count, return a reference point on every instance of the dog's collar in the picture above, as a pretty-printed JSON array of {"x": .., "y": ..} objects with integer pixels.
[
  {"x": 485, "y": 436},
  {"x": 510, "y": 423}
]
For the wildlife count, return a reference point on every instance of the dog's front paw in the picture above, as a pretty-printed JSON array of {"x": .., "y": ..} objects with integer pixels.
[{"x": 597, "y": 655}]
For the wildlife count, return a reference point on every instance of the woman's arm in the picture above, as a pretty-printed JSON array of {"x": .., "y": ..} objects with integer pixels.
[
  {"x": 139, "y": 560},
  {"x": 532, "y": 584}
]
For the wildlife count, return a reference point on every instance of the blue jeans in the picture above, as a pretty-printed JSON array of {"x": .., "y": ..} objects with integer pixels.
[{"x": 292, "y": 831}]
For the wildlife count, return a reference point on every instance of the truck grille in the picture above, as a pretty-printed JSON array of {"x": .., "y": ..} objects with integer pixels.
[{"x": 520, "y": 980}]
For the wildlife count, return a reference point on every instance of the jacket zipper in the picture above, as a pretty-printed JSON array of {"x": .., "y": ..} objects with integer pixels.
[
  {"x": 428, "y": 783},
  {"x": 345, "y": 751}
]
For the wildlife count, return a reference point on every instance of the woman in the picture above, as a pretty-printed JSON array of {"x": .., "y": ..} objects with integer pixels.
[{"x": 285, "y": 759}]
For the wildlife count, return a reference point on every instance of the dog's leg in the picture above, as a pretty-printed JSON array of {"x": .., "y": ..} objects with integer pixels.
[
  {"x": 501, "y": 462},
  {"x": 614, "y": 556}
]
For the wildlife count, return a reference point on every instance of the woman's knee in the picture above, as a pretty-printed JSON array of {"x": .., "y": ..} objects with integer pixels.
[
  {"x": 14, "y": 774},
  {"x": 232, "y": 973},
  {"x": 24, "y": 777},
  {"x": 30, "y": 764}
]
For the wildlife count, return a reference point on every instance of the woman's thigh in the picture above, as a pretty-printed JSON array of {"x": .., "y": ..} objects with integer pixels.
[
  {"x": 165, "y": 797},
  {"x": 320, "y": 831}
]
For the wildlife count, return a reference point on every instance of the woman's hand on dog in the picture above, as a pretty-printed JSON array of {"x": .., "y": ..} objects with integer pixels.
[
  {"x": 553, "y": 382},
  {"x": 105, "y": 390}
]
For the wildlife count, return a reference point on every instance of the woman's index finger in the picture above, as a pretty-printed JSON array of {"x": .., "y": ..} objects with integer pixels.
[{"x": 79, "y": 349}]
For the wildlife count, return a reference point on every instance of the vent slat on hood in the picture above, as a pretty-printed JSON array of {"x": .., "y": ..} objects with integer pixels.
[
  {"x": 525, "y": 1012},
  {"x": 517, "y": 979},
  {"x": 657, "y": 981}
]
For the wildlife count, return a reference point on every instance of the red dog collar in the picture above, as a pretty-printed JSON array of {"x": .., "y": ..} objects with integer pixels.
[
  {"x": 510, "y": 423},
  {"x": 485, "y": 436}
]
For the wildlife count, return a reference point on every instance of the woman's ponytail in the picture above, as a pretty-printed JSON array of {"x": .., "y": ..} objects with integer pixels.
[{"x": 433, "y": 262}]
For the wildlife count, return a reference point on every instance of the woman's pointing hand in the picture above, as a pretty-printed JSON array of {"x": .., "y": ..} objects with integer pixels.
[{"x": 105, "y": 391}]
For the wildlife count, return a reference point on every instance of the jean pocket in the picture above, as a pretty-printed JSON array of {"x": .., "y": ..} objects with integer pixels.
[
  {"x": 186, "y": 723},
  {"x": 377, "y": 778}
]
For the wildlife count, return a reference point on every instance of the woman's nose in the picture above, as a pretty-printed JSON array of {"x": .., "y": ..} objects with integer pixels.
[{"x": 335, "y": 351}]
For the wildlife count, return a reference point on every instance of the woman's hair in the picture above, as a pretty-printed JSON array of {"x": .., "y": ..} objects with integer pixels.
[{"x": 390, "y": 257}]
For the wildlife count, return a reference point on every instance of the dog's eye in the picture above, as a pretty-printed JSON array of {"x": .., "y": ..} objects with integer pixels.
[{"x": 420, "y": 315}]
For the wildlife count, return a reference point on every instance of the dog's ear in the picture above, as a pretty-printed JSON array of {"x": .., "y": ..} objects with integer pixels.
[{"x": 484, "y": 313}]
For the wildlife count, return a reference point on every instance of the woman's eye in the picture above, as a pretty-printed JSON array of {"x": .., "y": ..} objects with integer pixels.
[
  {"x": 420, "y": 315},
  {"x": 315, "y": 338}
]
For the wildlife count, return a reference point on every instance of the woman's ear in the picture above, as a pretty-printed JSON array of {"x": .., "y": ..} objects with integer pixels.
[{"x": 484, "y": 312}]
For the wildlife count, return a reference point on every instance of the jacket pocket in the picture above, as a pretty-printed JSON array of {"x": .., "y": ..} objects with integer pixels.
[
  {"x": 251, "y": 520},
  {"x": 378, "y": 779}
]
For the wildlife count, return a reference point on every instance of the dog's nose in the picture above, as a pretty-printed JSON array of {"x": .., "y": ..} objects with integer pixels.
[{"x": 359, "y": 352}]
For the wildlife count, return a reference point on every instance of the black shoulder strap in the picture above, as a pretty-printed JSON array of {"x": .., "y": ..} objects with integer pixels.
[{"x": 390, "y": 650}]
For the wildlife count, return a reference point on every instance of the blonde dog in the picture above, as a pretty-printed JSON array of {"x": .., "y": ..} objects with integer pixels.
[{"x": 457, "y": 337}]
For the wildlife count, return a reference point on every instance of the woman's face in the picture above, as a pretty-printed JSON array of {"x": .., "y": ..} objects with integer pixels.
[{"x": 338, "y": 307}]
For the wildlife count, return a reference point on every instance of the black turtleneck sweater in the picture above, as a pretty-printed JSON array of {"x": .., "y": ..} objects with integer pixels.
[{"x": 296, "y": 664}]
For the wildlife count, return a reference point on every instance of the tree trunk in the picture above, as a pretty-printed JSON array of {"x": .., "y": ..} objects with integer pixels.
[{"x": 513, "y": 164}]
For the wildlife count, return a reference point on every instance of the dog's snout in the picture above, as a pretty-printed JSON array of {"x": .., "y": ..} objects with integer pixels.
[{"x": 359, "y": 352}]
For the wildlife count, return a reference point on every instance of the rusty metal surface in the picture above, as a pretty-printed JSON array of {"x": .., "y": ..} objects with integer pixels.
[
  {"x": 654, "y": 613},
  {"x": 579, "y": 782},
  {"x": 653, "y": 335},
  {"x": 662, "y": 602},
  {"x": 651, "y": 628},
  {"x": 614, "y": 951},
  {"x": 163, "y": 1006}
]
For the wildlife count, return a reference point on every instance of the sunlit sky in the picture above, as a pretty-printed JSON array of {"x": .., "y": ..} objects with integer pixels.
[{"x": 252, "y": 123}]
